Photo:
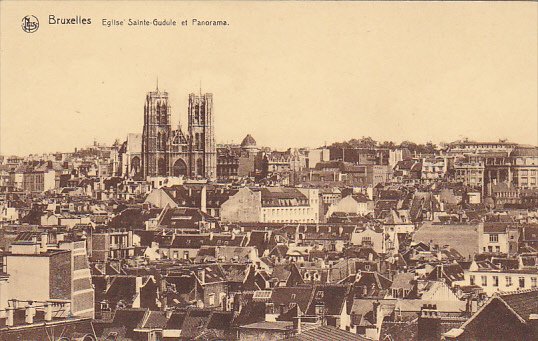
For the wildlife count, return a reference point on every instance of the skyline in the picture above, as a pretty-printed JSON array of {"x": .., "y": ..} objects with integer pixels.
[{"x": 419, "y": 72}]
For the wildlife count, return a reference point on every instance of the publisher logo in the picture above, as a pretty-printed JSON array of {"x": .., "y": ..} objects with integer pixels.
[{"x": 30, "y": 24}]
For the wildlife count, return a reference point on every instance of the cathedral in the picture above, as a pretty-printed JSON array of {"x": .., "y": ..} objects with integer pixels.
[{"x": 167, "y": 152}]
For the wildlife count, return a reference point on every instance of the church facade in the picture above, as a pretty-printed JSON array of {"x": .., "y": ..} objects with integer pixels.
[{"x": 170, "y": 152}]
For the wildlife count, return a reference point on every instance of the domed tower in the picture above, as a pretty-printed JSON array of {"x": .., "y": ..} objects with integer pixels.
[{"x": 249, "y": 145}]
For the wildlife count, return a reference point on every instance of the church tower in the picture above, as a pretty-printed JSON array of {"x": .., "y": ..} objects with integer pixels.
[
  {"x": 156, "y": 134},
  {"x": 203, "y": 150}
]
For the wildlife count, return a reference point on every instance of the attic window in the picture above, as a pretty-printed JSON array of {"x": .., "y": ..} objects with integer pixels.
[{"x": 319, "y": 295}]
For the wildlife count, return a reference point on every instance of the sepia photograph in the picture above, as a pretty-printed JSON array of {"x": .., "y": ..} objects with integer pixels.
[{"x": 268, "y": 170}]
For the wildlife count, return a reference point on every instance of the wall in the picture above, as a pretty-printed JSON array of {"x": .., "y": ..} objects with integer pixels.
[
  {"x": 159, "y": 198},
  {"x": 503, "y": 285},
  {"x": 29, "y": 277},
  {"x": 244, "y": 206},
  {"x": 257, "y": 335},
  {"x": 60, "y": 276}
]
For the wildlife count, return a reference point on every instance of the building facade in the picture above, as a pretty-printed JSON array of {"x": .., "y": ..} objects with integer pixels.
[{"x": 167, "y": 152}]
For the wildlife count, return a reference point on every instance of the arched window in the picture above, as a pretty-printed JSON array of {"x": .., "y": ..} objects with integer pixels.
[
  {"x": 135, "y": 165},
  {"x": 159, "y": 141},
  {"x": 179, "y": 168}
]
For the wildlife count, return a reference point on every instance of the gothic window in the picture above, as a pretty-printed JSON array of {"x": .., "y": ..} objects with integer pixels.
[
  {"x": 163, "y": 144},
  {"x": 135, "y": 165},
  {"x": 163, "y": 115},
  {"x": 162, "y": 167},
  {"x": 159, "y": 139},
  {"x": 179, "y": 168},
  {"x": 200, "y": 167}
]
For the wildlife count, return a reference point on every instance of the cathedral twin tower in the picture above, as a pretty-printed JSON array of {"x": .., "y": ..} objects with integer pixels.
[{"x": 167, "y": 152}]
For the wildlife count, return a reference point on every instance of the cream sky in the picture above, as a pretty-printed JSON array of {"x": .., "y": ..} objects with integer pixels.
[{"x": 289, "y": 73}]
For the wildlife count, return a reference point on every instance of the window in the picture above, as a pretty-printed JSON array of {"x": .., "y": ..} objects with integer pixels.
[
  {"x": 508, "y": 281},
  {"x": 521, "y": 282},
  {"x": 533, "y": 282},
  {"x": 320, "y": 309},
  {"x": 495, "y": 281},
  {"x": 367, "y": 240},
  {"x": 211, "y": 299},
  {"x": 471, "y": 280},
  {"x": 319, "y": 295},
  {"x": 497, "y": 248},
  {"x": 484, "y": 281},
  {"x": 493, "y": 238}
]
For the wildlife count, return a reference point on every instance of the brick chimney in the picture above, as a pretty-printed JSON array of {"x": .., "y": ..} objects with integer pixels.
[{"x": 429, "y": 324}]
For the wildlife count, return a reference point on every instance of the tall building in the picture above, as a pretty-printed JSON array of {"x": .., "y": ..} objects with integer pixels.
[
  {"x": 203, "y": 150},
  {"x": 167, "y": 152}
]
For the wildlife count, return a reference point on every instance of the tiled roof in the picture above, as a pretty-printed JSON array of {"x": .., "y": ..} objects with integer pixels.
[
  {"x": 286, "y": 295},
  {"x": 155, "y": 319},
  {"x": 523, "y": 303},
  {"x": 195, "y": 323},
  {"x": 494, "y": 227},
  {"x": 176, "y": 320},
  {"x": 327, "y": 333},
  {"x": 331, "y": 296}
]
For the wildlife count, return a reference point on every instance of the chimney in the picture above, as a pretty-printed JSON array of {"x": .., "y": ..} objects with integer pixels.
[
  {"x": 203, "y": 200},
  {"x": 29, "y": 313},
  {"x": 533, "y": 322},
  {"x": 138, "y": 284},
  {"x": 375, "y": 308},
  {"x": 44, "y": 241},
  {"x": 297, "y": 324},
  {"x": 48, "y": 312},
  {"x": 429, "y": 323},
  {"x": 9, "y": 319},
  {"x": 201, "y": 275}
]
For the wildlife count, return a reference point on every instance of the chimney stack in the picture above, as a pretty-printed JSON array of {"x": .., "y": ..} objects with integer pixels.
[
  {"x": 29, "y": 313},
  {"x": 201, "y": 275},
  {"x": 297, "y": 324},
  {"x": 9, "y": 319},
  {"x": 44, "y": 241},
  {"x": 48, "y": 312},
  {"x": 203, "y": 200}
]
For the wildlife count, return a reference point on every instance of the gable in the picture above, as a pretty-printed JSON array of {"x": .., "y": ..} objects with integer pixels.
[{"x": 496, "y": 322}]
